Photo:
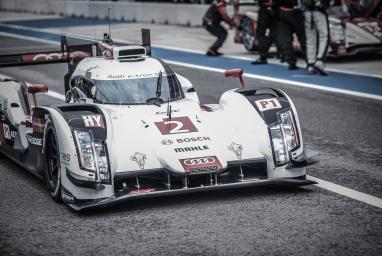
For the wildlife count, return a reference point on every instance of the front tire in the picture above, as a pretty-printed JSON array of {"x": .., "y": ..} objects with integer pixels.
[
  {"x": 248, "y": 35},
  {"x": 52, "y": 169}
]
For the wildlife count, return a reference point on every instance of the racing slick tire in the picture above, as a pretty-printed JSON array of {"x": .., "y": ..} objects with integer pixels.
[
  {"x": 51, "y": 158},
  {"x": 248, "y": 35}
]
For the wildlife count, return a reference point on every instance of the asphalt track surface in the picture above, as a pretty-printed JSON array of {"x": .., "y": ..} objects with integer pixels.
[{"x": 345, "y": 130}]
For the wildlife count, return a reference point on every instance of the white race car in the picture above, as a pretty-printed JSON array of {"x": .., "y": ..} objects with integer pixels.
[{"x": 132, "y": 128}]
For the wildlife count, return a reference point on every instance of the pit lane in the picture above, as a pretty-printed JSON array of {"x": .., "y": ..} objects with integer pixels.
[{"x": 344, "y": 129}]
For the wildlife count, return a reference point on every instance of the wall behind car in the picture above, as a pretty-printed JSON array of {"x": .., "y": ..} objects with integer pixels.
[{"x": 162, "y": 13}]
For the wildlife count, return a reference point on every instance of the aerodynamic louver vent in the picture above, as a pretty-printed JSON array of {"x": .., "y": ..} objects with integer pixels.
[{"x": 128, "y": 53}]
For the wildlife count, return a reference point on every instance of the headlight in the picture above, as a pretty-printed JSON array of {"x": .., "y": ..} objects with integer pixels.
[
  {"x": 289, "y": 129},
  {"x": 279, "y": 149},
  {"x": 89, "y": 151},
  {"x": 337, "y": 31},
  {"x": 85, "y": 148},
  {"x": 102, "y": 161},
  {"x": 284, "y": 137}
]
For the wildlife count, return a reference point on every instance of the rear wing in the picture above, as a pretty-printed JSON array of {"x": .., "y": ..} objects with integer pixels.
[{"x": 73, "y": 50}]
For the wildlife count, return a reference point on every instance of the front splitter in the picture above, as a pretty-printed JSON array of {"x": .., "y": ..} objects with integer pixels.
[{"x": 285, "y": 182}]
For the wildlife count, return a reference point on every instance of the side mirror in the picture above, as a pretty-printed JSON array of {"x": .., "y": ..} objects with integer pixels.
[
  {"x": 235, "y": 73},
  {"x": 37, "y": 88}
]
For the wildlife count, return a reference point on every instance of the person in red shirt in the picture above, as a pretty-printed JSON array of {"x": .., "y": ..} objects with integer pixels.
[{"x": 216, "y": 13}]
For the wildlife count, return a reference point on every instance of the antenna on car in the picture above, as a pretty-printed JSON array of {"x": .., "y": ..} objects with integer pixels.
[{"x": 108, "y": 18}]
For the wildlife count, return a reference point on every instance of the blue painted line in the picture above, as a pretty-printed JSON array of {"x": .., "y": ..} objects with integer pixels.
[
  {"x": 365, "y": 84},
  {"x": 356, "y": 83},
  {"x": 30, "y": 33}
]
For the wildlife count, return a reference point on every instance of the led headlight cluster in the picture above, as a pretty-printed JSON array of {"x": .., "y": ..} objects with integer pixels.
[
  {"x": 284, "y": 137},
  {"x": 102, "y": 161},
  {"x": 337, "y": 31},
  {"x": 92, "y": 155}
]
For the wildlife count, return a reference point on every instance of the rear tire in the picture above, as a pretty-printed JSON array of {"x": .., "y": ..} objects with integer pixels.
[
  {"x": 248, "y": 35},
  {"x": 52, "y": 169}
]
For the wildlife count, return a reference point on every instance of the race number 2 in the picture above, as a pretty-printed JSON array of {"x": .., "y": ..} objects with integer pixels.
[
  {"x": 268, "y": 104},
  {"x": 176, "y": 125}
]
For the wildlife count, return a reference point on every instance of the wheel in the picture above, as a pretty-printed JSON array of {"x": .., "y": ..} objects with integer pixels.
[
  {"x": 52, "y": 169},
  {"x": 248, "y": 35}
]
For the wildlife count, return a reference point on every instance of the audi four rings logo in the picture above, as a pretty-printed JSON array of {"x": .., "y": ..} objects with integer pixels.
[
  {"x": 189, "y": 164},
  {"x": 50, "y": 56},
  {"x": 199, "y": 161}
]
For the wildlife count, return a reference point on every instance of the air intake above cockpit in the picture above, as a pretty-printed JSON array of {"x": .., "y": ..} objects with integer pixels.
[{"x": 126, "y": 53}]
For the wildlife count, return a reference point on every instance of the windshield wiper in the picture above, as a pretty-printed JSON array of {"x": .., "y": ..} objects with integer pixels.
[
  {"x": 157, "y": 100},
  {"x": 159, "y": 87}
]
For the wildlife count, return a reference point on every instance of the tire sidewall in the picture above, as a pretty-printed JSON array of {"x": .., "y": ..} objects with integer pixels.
[{"x": 54, "y": 191}]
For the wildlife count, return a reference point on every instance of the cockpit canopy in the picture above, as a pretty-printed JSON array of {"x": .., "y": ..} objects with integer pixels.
[{"x": 131, "y": 89}]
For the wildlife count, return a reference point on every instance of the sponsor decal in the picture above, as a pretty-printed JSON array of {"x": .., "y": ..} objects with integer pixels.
[
  {"x": 236, "y": 148},
  {"x": 140, "y": 158},
  {"x": 191, "y": 149},
  {"x": 166, "y": 112},
  {"x": 38, "y": 124},
  {"x": 176, "y": 125},
  {"x": 193, "y": 139},
  {"x": 201, "y": 164},
  {"x": 185, "y": 140},
  {"x": 55, "y": 56},
  {"x": 43, "y": 56},
  {"x": 93, "y": 121},
  {"x": 166, "y": 142},
  {"x": 65, "y": 158},
  {"x": 8, "y": 134},
  {"x": 147, "y": 75},
  {"x": 120, "y": 76},
  {"x": 268, "y": 104},
  {"x": 34, "y": 141}
]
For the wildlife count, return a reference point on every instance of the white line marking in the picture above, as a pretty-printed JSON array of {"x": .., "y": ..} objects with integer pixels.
[
  {"x": 270, "y": 61},
  {"x": 283, "y": 81},
  {"x": 56, "y": 95},
  {"x": 30, "y": 38},
  {"x": 351, "y": 193}
]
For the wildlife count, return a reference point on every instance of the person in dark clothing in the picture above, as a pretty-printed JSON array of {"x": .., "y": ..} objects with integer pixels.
[
  {"x": 215, "y": 14},
  {"x": 267, "y": 29},
  {"x": 291, "y": 22}
]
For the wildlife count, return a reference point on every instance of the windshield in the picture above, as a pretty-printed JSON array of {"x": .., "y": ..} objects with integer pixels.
[{"x": 137, "y": 91}]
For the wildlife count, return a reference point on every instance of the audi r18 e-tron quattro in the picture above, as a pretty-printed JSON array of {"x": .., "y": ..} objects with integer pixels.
[{"x": 133, "y": 128}]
